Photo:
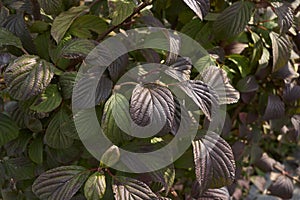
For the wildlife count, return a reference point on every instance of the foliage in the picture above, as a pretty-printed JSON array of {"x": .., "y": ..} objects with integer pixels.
[{"x": 253, "y": 47}]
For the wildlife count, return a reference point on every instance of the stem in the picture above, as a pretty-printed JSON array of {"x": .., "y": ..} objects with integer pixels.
[
  {"x": 36, "y": 9},
  {"x": 24, "y": 51},
  {"x": 93, "y": 3},
  {"x": 112, "y": 28},
  {"x": 286, "y": 173}
]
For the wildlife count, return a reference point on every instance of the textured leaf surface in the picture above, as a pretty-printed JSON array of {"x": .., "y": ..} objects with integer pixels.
[
  {"x": 19, "y": 168},
  {"x": 64, "y": 20},
  {"x": 78, "y": 48},
  {"x": 95, "y": 186},
  {"x": 247, "y": 84},
  {"x": 28, "y": 76},
  {"x": 285, "y": 15},
  {"x": 120, "y": 9},
  {"x": 8, "y": 129},
  {"x": 60, "y": 183},
  {"x": 181, "y": 69},
  {"x": 130, "y": 189},
  {"x": 291, "y": 92},
  {"x": 275, "y": 108},
  {"x": 282, "y": 187},
  {"x": 233, "y": 19},
  {"x": 200, "y": 7},
  {"x": 47, "y": 101},
  {"x": 7, "y": 38},
  {"x": 217, "y": 79},
  {"x": 67, "y": 82},
  {"x": 214, "y": 162},
  {"x": 281, "y": 48},
  {"x": 54, "y": 136},
  {"x": 118, "y": 67},
  {"x": 220, "y": 193},
  {"x": 152, "y": 103},
  {"x": 202, "y": 95},
  {"x": 51, "y": 7},
  {"x": 35, "y": 150}
]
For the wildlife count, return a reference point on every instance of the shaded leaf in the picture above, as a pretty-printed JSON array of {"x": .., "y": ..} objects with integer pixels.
[
  {"x": 19, "y": 168},
  {"x": 281, "y": 50},
  {"x": 217, "y": 79},
  {"x": 85, "y": 25},
  {"x": 8, "y": 129},
  {"x": 47, "y": 101},
  {"x": 165, "y": 176},
  {"x": 78, "y": 48},
  {"x": 28, "y": 76},
  {"x": 120, "y": 9},
  {"x": 51, "y": 7},
  {"x": 152, "y": 104},
  {"x": 35, "y": 150},
  {"x": 265, "y": 163},
  {"x": 220, "y": 193},
  {"x": 117, "y": 68},
  {"x": 275, "y": 108},
  {"x": 95, "y": 186},
  {"x": 285, "y": 15},
  {"x": 131, "y": 189},
  {"x": 291, "y": 92},
  {"x": 233, "y": 19},
  {"x": 286, "y": 72},
  {"x": 214, "y": 162},
  {"x": 282, "y": 187},
  {"x": 64, "y": 20},
  {"x": 247, "y": 84},
  {"x": 67, "y": 82},
  {"x": 7, "y": 38},
  {"x": 60, "y": 183},
  {"x": 54, "y": 136},
  {"x": 200, "y": 7}
]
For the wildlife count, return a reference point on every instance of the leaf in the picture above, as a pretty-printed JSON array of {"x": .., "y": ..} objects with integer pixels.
[
  {"x": 35, "y": 150},
  {"x": 281, "y": 50},
  {"x": 152, "y": 104},
  {"x": 217, "y": 79},
  {"x": 120, "y": 9},
  {"x": 54, "y": 136},
  {"x": 64, "y": 20},
  {"x": 53, "y": 7},
  {"x": 116, "y": 107},
  {"x": 220, "y": 193},
  {"x": 200, "y": 7},
  {"x": 91, "y": 81},
  {"x": 291, "y": 92},
  {"x": 242, "y": 63},
  {"x": 165, "y": 176},
  {"x": 66, "y": 83},
  {"x": 19, "y": 168},
  {"x": 47, "y": 101},
  {"x": 85, "y": 25},
  {"x": 118, "y": 67},
  {"x": 95, "y": 186},
  {"x": 111, "y": 156},
  {"x": 233, "y": 19},
  {"x": 265, "y": 163},
  {"x": 275, "y": 108},
  {"x": 286, "y": 72},
  {"x": 247, "y": 84},
  {"x": 282, "y": 187},
  {"x": 33, "y": 124},
  {"x": 285, "y": 15},
  {"x": 60, "y": 183},
  {"x": 131, "y": 189},
  {"x": 202, "y": 95},
  {"x": 8, "y": 129},
  {"x": 181, "y": 69},
  {"x": 28, "y": 76},
  {"x": 8, "y": 38},
  {"x": 78, "y": 48},
  {"x": 214, "y": 162}
]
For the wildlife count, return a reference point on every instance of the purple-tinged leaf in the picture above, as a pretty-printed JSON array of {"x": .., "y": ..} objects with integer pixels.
[
  {"x": 214, "y": 162},
  {"x": 275, "y": 108},
  {"x": 265, "y": 163},
  {"x": 117, "y": 68},
  {"x": 287, "y": 72},
  {"x": 235, "y": 48},
  {"x": 200, "y": 7},
  {"x": 181, "y": 69},
  {"x": 291, "y": 92},
  {"x": 285, "y": 15},
  {"x": 282, "y": 187},
  {"x": 247, "y": 84},
  {"x": 216, "y": 194}
]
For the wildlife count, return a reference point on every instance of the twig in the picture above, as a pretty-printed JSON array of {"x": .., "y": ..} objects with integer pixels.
[
  {"x": 24, "y": 51},
  {"x": 93, "y": 3},
  {"x": 286, "y": 173},
  {"x": 36, "y": 9},
  {"x": 112, "y": 28}
]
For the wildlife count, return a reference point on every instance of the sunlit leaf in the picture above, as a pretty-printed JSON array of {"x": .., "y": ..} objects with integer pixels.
[
  {"x": 28, "y": 76},
  {"x": 200, "y": 7},
  {"x": 285, "y": 15},
  {"x": 180, "y": 70},
  {"x": 95, "y": 186},
  {"x": 120, "y": 9},
  {"x": 60, "y": 183},
  {"x": 7, "y": 38}
]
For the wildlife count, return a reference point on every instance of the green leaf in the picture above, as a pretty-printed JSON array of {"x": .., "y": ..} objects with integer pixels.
[
  {"x": 8, "y": 38},
  {"x": 131, "y": 189},
  {"x": 51, "y": 7},
  {"x": 165, "y": 176},
  {"x": 242, "y": 63},
  {"x": 120, "y": 9},
  {"x": 39, "y": 27},
  {"x": 111, "y": 156},
  {"x": 60, "y": 183},
  {"x": 28, "y": 76},
  {"x": 95, "y": 186},
  {"x": 64, "y": 20},
  {"x": 8, "y": 129},
  {"x": 78, "y": 48},
  {"x": 48, "y": 101},
  {"x": 33, "y": 124},
  {"x": 54, "y": 136},
  {"x": 200, "y": 7},
  {"x": 84, "y": 26},
  {"x": 42, "y": 45},
  {"x": 35, "y": 150},
  {"x": 281, "y": 50},
  {"x": 19, "y": 168},
  {"x": 116, "y": 106},
  {"x": 233, "y": 19},
  {"x": 67, "y": 82}
]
